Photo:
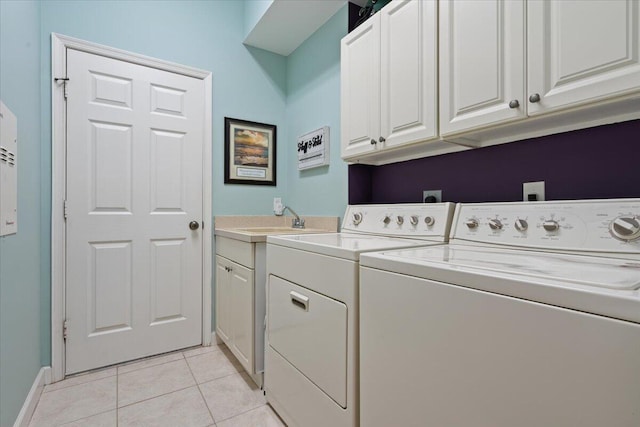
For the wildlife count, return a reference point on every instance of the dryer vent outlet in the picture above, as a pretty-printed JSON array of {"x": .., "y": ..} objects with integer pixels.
[{"x": 432, "y": 196}]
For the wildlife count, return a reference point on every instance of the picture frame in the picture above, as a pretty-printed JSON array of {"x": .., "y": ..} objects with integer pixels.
[{"x": 249, "y": 152}]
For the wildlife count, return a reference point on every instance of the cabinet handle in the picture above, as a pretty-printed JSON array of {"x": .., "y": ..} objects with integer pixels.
[
  {"x": 381, "y": 139},
  {"x": 299, "y": 300},
  {"x": 514, "y": 104},
  {"x": 373, "y": 141},
  {"x": 534, "y": 98}
]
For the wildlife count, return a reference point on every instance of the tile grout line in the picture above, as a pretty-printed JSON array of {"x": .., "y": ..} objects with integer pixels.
[{"x": 200, "y": 391}]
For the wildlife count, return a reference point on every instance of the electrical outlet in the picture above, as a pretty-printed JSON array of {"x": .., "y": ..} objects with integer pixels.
[
  {"x": 533, "y": 191},
  {"x": 433, "y": 196}
]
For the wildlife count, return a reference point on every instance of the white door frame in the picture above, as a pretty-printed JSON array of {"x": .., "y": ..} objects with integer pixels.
[{"x": 59, "y": 45}]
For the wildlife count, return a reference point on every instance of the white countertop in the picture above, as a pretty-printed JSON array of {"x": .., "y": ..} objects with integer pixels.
[{"x": 254, "y": 229}]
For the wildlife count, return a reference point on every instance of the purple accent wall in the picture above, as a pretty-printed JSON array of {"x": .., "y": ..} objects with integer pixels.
[{"x": 601, "y": 162}]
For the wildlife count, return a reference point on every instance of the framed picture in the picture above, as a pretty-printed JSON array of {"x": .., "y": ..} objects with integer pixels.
[{"x": 249, "y": 152}]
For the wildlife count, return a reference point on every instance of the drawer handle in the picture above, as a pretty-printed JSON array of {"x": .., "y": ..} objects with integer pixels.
[{"x": 299, "y": 300}]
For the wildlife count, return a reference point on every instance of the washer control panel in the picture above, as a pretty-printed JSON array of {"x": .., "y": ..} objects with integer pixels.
[
  {"x": 414, "y": 220},
  {"x": 586, "y": 225}
]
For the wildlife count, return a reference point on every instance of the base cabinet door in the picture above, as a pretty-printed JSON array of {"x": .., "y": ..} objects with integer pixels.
[
  {"x": 581, "y": 52},
  {"x": 223, "y": 299},
  {"x": 235, "y": 309},
  {"x": 242, "y": 302}
]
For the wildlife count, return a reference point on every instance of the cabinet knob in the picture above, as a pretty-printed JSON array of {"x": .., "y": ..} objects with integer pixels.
[
  {"x": 534, "y": 98},
  {"x": 381, "y": 139},
  {"x": 514, "y": 104},
  {"x": 373, "y": 141}
]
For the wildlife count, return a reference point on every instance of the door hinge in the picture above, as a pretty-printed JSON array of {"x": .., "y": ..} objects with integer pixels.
[
  {"x": 65, "y": 329},
  {"x": 65, "y": 210},
  {"x": 64, "y": 81}
]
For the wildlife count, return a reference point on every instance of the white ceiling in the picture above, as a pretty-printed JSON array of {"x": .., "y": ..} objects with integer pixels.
[{"x": 288, "y": 23}]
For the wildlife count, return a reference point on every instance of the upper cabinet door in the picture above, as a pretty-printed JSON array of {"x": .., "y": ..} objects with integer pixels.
[
  {"x": 582, "y": 51},
  {"x": 360, "y": 88},
  {"x": 409, "y": 72},
  {"x": 482, "y": 63}
]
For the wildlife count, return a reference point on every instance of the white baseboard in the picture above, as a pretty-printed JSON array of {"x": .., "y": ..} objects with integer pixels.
[
  {"x": 30, "y": 403},
  {"x": 216, "y": 340}
]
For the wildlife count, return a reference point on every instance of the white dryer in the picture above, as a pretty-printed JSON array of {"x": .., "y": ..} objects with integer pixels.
[
  {"x": 311, "y": 363},
  {"x": 529, "y": 317}
]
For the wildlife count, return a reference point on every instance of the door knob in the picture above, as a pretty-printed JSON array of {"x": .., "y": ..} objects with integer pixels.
[{"x": 194, "y": 225}]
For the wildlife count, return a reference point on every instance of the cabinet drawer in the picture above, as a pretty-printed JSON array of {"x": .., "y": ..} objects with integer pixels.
[
  {"x": 310, "y": 331},
  {"x": 236, "y": 250}
]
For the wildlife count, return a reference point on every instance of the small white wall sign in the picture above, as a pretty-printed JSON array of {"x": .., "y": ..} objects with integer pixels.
[{"x": 313, "y": 149}]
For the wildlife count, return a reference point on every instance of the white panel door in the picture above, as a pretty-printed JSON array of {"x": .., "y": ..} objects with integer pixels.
[
  {"x": 409, "y": 72},
  {"x": 360, "y": 89},
  {"x": 134, "y": 183},
  {"x": 582, "y": 51},
  {"x": 482, "y": 68}
]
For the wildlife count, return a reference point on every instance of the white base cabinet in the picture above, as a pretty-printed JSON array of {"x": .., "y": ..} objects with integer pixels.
[{"x": 240, "y": 301}]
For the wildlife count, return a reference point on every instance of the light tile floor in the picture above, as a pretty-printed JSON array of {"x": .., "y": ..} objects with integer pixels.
[{"x": 198, "y": 387}]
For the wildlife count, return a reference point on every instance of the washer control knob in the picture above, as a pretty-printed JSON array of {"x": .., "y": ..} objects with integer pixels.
[
  {"x": 625, "y": 228},
  {"x": 399, "y": 220},
  {"x": 472, "y": 223},
  {"x": 357, "y": 218},
  {"x": 551, "y": 225},
  {"x": 387, "y": 219},
  {"x": 429, "y": 220},
  {"x": 495, "y": 224},
  {"x": 414, "y": 220},
  {"x": 521, "y": 225}
]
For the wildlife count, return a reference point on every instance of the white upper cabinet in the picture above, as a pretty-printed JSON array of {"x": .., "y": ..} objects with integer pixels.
[
  {"x": 482, "y": 70},
  {"x": 506, "y": 60},
  {"x": 408, "y": 72},
  {"x": 581, "y": 51},
  {"x": 360, "y": 87},
  {"x": 389, "y": 79}
]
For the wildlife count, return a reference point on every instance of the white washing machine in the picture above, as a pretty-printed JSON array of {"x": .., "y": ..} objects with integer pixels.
[
  {"x": 311, "y": 363},
  {"x": 529, "y": 317}
]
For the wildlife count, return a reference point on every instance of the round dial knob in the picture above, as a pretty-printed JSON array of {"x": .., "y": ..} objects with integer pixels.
[
  {"x": 625, "y": 228},
  {"x": 414, "y": 220},
  {"x": 387, "y": 219},
  {"x": 357, "y": 218},
  {"x": 399, "y": 220},
  {"x": 521, "y": 225},
  {"x": 551, "y": 225},
  {"x": 429, "y": 220},
  {"x": 495, "y": 224},
  {"x": 472, "y": 223}
]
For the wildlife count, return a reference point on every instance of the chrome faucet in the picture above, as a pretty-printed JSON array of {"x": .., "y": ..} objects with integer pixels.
[{"x": 296, "y": 222}]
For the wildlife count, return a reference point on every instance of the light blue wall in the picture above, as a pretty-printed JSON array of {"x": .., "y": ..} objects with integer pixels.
[
  {"x": 253, "y": 12},
  {"x": 247, "y": 83},
  {"x": 297, "y": 94},
  {"x": 313, "y": 101},
  {"x": 20, "y": 329}
]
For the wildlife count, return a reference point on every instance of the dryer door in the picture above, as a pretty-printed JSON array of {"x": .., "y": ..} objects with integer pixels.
[{"x": 310, "y": 331}]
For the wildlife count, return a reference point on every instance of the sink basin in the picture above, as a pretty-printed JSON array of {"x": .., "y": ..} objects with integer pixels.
[{"x": 274, "y": 230}]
